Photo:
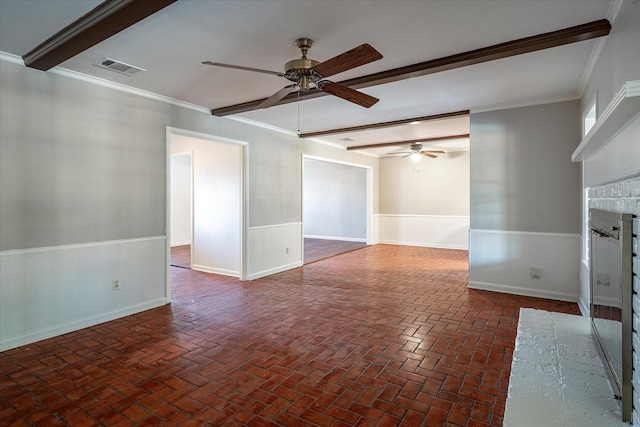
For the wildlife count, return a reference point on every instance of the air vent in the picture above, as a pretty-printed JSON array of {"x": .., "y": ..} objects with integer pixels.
[
  {"x": 348, "y": 139},
  {"x": 119, "y": 67}
]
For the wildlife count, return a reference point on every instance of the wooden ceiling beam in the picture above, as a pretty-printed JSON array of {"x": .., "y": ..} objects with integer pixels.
[
  {"x": 562, "y": 37},
  {"x": 107, "y": 19},
  {"x": 380, "y": 125},
  {"x": 408, "y": 142}
]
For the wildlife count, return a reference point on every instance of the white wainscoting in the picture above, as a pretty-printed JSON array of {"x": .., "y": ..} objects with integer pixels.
[
  {"x": 435, "y": 231},
  {"x": 267, "y": 249},
  {"x": 501, "y": 261},
  {"x": 375, "y": 229},
  {"x": 50, "y": 291}
]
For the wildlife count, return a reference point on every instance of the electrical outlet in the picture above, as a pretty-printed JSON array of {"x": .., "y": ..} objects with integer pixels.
[
  {"x": 536, "y": 272},
  {"x": 116, "y": 284}
]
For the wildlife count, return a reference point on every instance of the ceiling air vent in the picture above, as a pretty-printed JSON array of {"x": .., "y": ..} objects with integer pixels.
[{"x": 119, "y": 67}]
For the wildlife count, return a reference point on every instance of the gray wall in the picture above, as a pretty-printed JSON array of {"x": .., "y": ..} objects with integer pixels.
[
  {"x": 82, "y": 163},
  {"x": 335, "y": 200},
  {"x": 75, "y": 166},
  {"x": 428, "y": 187},
  {"x": 522, "y": 177}
]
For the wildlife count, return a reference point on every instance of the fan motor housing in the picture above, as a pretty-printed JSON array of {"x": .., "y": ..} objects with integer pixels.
[
  {"x": 301, "y": 71},
  {"x": 301, "y": 64}
]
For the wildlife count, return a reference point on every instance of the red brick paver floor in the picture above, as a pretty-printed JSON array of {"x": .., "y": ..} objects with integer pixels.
[{"x": 382, "y": 336}]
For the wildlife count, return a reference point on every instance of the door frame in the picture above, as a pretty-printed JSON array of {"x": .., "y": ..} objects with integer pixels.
[
  {"x": 169, "y": 133},
  {"x": 369, "y": 195},
  {"x": 191, "y": 230}
]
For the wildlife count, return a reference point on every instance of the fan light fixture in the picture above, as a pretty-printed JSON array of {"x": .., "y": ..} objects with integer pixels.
[{"x": 415, "y": 156}]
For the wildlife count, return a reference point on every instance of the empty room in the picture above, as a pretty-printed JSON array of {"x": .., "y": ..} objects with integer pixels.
[{"x": 320, "y": 213}]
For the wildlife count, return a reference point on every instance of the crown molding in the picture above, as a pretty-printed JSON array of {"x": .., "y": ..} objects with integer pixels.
[
  {"x": 109, "y": 84},
  {"x": 530, "y": 103}
]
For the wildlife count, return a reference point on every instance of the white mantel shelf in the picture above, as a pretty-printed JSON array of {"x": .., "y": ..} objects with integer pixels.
[{"x": 624, "y": 107}]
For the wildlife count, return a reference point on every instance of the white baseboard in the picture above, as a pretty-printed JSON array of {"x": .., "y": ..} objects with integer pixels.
[
  {"x": 423, "y": 245},
  {"x": 214, "y": 270},
  {"x": 583, "y": 305},
  {"x": 343, "y": 239},
  {"x": 501, "y": 261},
  {"x": 274, "y": 270},
  {"x": 174, "y": 244},
  {"x": 520, "y": 290},
  {"x": 80, "y": 324}
]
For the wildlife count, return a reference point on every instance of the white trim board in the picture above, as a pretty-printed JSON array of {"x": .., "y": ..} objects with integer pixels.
[
  {"x": 213, "y": 270},
  {"x": 78, "y": 246},
  {"x": 518, "y": 290},
  {"x": 274, "y": 270}
]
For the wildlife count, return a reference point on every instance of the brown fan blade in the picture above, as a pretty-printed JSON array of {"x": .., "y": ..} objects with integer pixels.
[
  {"x": 406, "y": 155},
  {"x": 400, "y": 152},
  {"x": 353, "y": 58},
  {"x": 347, "y": 93},
  {"x": 434, "y": 151},
  {"x": 278, "y": 96},
  {"x": 424, "y": 153},
  {"x": 239, "y": 67}
]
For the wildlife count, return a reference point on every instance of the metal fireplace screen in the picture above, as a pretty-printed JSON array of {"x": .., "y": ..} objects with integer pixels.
[{"x": 611, "y": 299}]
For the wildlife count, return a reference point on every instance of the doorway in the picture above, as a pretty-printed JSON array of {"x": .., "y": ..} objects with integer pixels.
[
  {"x": 214, "y": 237},
  {"x": 181, "y": 209},
  {"x": 337, "y": 207}
]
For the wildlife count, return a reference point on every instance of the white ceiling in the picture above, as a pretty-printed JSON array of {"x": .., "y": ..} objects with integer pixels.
[{"x": 172, "y": 44}]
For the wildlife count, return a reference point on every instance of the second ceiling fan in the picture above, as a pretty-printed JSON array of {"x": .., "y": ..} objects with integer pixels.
[
  {"x": 304, "y": 72},
  {"x": 416, "y": 150}
]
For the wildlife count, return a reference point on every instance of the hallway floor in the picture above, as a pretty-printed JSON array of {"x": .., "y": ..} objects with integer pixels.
[
  {"x": 317, "y": 249},
  {"x": 381, "y": 336}
]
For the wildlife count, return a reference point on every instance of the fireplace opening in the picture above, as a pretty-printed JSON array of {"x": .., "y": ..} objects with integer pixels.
[{"x": 611, "y": 299}]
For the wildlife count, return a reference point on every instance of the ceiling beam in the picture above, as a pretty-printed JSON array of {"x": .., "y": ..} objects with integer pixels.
[
  {"x": 491, "y": 53},
  {"x": 408, "y": 141},
  {"x": 109, "y": 18},
  {"x": 462, "y": 113}
]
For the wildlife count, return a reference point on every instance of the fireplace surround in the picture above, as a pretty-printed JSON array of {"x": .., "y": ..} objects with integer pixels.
[{"x": 611, "y": 305}]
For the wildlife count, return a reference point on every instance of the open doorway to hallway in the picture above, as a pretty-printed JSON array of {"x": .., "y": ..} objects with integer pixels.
[
  {"x": 206, "y": 215},
  {"x": 336, "y": 208},
  {"x": 181, "y": 208}
]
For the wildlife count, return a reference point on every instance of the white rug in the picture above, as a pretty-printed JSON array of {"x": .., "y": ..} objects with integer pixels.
[{"x": 557, "y": 378}]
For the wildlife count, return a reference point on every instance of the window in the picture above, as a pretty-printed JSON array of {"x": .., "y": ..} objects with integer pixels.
[{"x": 589, "y": 118}]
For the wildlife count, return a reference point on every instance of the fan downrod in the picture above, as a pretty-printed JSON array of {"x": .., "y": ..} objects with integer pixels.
[
  {"x": 304, "y": 44},
  {"x": 300, "y": 70}
]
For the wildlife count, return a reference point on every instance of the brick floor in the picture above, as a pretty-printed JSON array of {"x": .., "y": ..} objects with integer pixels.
[{"x": 382, "y": 336}]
